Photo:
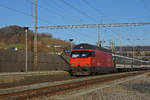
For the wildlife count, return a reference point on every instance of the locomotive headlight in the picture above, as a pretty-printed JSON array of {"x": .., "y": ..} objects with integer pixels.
[
  {"x": 86, "y": 65},
  {"x": 72, "y": 64}
]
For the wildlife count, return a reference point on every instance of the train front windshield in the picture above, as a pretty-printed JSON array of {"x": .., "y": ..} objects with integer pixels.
[{"x": 81, "y": 54}]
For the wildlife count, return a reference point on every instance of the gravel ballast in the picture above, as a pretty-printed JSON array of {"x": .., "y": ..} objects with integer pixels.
[
  {"x": 135, "y": 88},
  {"x": 129, "y": 88}
]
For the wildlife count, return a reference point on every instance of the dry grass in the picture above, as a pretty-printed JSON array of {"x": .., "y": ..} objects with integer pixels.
[{"x": 148, "y": 75}]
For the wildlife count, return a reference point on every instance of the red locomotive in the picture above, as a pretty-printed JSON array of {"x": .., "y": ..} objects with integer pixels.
[{"x": 86, "y": 59}]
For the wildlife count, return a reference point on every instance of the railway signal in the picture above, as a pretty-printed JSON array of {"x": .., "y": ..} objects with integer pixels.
[{"x": 70, "y": 43}]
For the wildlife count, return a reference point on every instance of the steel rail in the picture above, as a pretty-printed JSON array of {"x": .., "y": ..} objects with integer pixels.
[{"x": 53, "y": 90}]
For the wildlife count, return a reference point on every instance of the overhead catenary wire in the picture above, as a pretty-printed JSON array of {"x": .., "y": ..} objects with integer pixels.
[
  {"x": 74, "y": 8},
  {"x": 27, "y": 14},
  {"x": 93, "y": 7},
  {"x": 85, "y": 37},
  {"x": 59, "y": 7},
  {"x": 145, "y": 5},
  {"x": 94, "y": 25},
  {"x": 133, "y": 35},
  {"x": 15, "y": 10},
  {"x": 78, "y": 10},
  {"x": 47, "y": 9},
  {"x": 32, "y": 6},
  {"x": 99, "y": 12},
  {"x": 22, "y": 12},
  {"x": 140, "y": 33}
]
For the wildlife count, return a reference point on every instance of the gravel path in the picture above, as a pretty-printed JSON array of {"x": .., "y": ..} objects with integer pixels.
[{"x": 134, "y": 89}]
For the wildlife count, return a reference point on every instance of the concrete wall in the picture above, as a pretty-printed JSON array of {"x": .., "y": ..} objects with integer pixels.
[{"x": 14, "y": 61}]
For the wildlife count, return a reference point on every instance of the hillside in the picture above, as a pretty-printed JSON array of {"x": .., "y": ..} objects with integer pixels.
[{"x": 14, "y": 36}]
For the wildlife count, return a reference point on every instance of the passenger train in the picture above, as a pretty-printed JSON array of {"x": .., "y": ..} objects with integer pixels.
[{"x": 87, "y": 59}]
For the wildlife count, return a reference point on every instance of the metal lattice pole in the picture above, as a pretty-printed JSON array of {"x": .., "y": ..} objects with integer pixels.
[{"x": 99, "y": 43}]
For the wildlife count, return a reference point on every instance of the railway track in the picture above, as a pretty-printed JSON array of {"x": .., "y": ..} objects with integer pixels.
[{"x": 66, "y": 86}]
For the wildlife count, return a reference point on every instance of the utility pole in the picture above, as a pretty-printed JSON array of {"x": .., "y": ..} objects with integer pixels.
[
  {"x": 26, "y": 49},
  {"x": 99, "y": 43},
  {"x": 119, "y": 38},
  {"x": 35, "y": 40}
]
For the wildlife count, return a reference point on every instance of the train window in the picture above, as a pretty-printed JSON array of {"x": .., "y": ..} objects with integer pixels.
[
  {"x": 92, "y": 54},
  {"x": 125, "y": 61},
  {"x": 75, "y": 55},
  {"x": 82, "y": 54}
]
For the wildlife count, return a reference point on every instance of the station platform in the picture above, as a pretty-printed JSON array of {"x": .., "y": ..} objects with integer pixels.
[{"x": 20, "y": 77}]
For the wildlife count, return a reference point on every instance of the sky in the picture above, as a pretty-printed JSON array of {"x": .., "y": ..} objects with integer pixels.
[{"x": 76, "y": 12}]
